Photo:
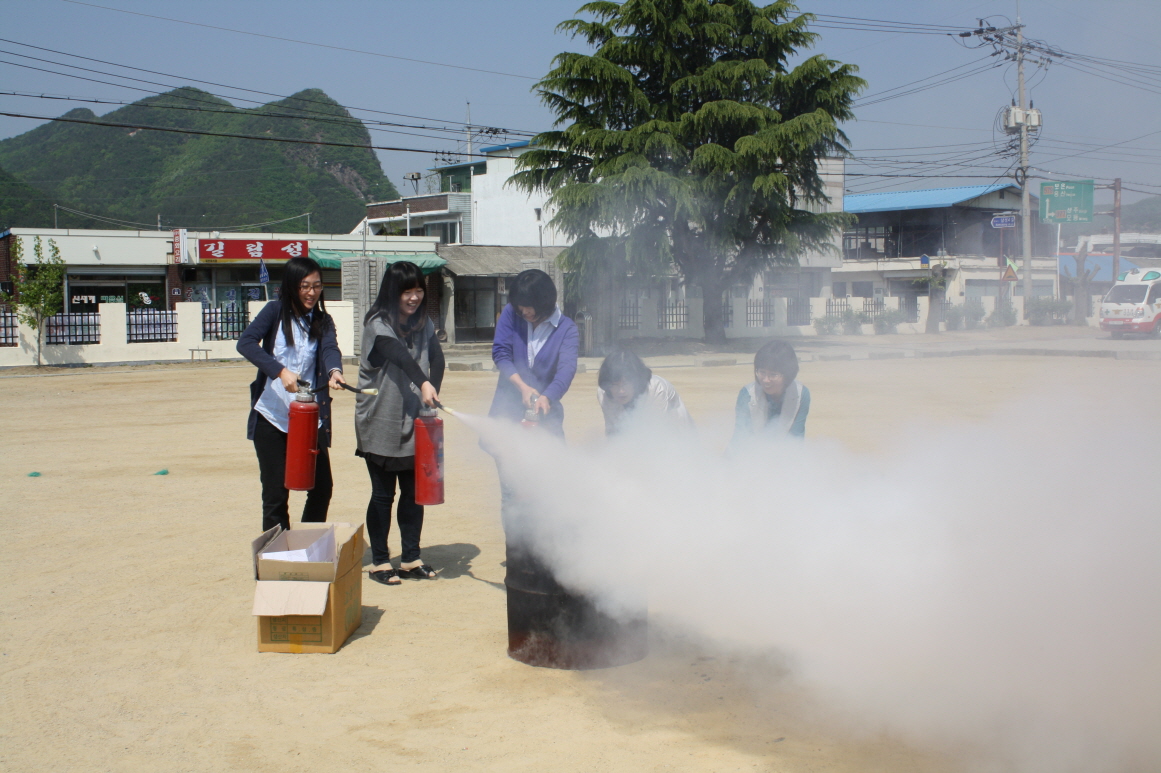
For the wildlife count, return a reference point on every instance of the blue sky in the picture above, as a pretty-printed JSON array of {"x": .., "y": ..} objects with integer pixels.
[{"x": 518, "y": 38}]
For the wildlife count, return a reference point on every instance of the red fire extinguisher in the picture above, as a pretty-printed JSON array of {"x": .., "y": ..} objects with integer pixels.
[
  {"x": 428, "y": 458},
  {"x": 302, "y": 440}
]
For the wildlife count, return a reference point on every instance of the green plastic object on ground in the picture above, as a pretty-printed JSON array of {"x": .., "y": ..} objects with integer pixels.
[
  {"x": 34, "y": 474},
  {"x": 162, "y": 472}
]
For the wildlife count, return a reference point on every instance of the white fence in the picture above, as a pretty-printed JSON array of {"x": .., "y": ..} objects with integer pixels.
[
  {"x": 115, "y": 334},
  {"x": 762, "y": 318}
]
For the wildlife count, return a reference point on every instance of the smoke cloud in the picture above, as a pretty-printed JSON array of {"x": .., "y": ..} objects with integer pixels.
[{"x": 995, "y": 585}]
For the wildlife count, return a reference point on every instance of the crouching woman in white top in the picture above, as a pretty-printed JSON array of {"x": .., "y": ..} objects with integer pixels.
[
  {"x": 775, "y": 404},
  {"x": 626, "y": 386}
]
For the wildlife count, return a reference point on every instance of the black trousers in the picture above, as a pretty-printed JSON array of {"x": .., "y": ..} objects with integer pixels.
[
  {"x": 270, "y": 445},
  {"x": 409, "y": 514}
]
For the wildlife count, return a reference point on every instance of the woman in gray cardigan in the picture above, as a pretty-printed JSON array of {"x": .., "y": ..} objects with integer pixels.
[{"x": 402, "y": 358}]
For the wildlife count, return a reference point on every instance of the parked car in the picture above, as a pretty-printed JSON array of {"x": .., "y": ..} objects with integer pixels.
[{"x": 1133, "y": 304}]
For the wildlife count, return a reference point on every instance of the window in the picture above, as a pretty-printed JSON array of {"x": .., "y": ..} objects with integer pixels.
[
  {"x": 1155, "y": 294},
  {"x": 448, "y": 232},
  {"x": 863, "y": 289},
  {"x": 839, "y": 289},
  {"x": 1126, "y": 294}
]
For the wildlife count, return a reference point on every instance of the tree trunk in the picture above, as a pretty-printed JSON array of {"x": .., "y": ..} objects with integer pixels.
[
  {"x": 1080, "y": 291},
  {"x": 934, "y": 299},
  {"x": 713, "y": 313},
  {"x": 39, "y": 339}
]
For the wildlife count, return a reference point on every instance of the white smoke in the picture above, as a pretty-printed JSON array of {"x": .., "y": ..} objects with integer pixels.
[{"x": 996, "y": 584}]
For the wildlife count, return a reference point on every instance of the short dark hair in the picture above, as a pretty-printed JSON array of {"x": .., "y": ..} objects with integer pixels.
[
  {"x": 398, "y": 278},
  {"x": 777, "y": 356},
  {"x": 623, "y": 365},
  {"x": 533, "y": 288}
]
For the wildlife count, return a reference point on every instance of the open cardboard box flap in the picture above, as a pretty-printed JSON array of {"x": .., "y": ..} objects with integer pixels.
[
  {"x": 278, "y": 598},
  {"x": 347, "y": 551}
]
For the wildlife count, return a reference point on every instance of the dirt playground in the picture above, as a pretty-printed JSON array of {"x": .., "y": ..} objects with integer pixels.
[{"x": 128, "y": 645}]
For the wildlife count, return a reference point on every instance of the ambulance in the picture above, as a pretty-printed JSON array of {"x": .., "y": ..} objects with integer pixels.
[{"x": 1133, "y": 305}]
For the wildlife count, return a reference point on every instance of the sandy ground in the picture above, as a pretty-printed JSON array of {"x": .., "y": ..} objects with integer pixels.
[{"x": 127, "y": 641}]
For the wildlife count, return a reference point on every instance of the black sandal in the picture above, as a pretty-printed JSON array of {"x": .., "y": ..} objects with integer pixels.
[
  {"x": 385, "y": 577},
  {"x": 422, "y": 572}
]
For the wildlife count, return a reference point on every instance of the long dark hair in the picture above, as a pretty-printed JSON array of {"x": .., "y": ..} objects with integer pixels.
[
  {"x": 623, "y": 365},
  {"x": 397, "y": 279},
  {"x": 296, "y": 270}
]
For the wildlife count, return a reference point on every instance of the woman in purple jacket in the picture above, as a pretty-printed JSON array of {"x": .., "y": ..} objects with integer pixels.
[{"x": 535, "y": 350}]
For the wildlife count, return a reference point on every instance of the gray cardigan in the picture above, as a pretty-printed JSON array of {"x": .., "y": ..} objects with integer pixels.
[{"x": 385, "y": 423}]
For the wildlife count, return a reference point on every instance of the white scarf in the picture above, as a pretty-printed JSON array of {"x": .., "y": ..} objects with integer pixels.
[{"x": 760, "y": 408}]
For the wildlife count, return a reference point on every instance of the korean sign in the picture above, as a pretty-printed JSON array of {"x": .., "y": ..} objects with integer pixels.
[
  {"x": 180, "y": 253},
  {"x": 1066, "y": 202},
  {"x": 252, "y": 250}
]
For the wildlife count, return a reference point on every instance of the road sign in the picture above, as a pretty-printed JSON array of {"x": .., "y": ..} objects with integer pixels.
[
  {"x": 1009, "y": 275},
  {"x": 1004, "y": 221},
  {"x": 1066, "y": 202}
]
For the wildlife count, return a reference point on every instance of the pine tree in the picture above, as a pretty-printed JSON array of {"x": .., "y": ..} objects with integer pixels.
[{"x": 687, "y": 140}]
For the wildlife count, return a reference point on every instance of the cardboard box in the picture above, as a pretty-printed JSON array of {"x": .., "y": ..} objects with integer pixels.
[{"x": 308, "y": 606}]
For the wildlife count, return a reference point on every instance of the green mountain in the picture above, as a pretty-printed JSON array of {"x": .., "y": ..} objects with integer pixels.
[
  {"x": 198, "y": 181},
  {"x": 23, "y": 205}
]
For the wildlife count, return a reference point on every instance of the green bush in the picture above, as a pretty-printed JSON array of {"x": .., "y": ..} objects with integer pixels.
[
  {"x": 953, "y": 317},
  {"x": 1046, "y": 311},
  {"x": 887, "y": 322},
  {"x": 973, "y": 314},
  {"x": 1003, "y": 316},
  {"x": 853, "y": 321},
  {"x": 827, "y": 326}
]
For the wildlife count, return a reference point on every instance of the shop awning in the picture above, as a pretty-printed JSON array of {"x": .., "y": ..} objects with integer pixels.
[{"x": 429, "y": 262}]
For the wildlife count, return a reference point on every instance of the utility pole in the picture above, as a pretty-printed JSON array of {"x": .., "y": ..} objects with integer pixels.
[
  {"x": 468, "y": 129},
  {"x": 55, "y": 209},
  {"x": 1116, "y": 228},
  {"x": 1025, "y": 197}
]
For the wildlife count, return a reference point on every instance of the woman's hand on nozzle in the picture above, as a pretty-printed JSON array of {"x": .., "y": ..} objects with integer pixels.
[
  {"x": 337, "y": 380},
  {"x": 289, "y": 380},
  {"x": 542, "y": 405},
  {"x": 428, "y": 394},
  {"x": 528, "y": 395}
]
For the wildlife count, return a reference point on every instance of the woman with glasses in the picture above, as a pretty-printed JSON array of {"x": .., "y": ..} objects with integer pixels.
[
  {"x": 292, "y": 338},
  {"x": 775, "y": 404}
]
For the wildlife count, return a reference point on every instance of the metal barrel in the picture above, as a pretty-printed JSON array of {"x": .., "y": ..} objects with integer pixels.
[{"x": 552, "y": 627}]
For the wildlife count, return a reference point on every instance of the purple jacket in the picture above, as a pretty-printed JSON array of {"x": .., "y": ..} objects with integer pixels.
[{"x": 550, "y": 375}]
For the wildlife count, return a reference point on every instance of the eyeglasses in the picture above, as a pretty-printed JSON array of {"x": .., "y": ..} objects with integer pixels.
[
  {"x": 766, "y": 375},
  {"x": 307, "y": 287}
]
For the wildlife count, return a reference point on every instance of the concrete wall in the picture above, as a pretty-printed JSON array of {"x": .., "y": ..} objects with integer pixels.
[{"x": 114, "y": 346}]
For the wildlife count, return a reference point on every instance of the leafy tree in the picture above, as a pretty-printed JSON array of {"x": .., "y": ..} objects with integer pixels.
[
  {"x": 39, "y": 288},
  {"x": 688, "y": 140}
]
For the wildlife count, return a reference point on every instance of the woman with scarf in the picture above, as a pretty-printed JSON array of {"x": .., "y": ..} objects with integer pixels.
[{"x": 775, "y": 404}]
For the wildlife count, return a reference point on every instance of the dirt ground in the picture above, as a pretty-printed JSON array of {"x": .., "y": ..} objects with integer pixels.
[{"x": 127, "y": 641}]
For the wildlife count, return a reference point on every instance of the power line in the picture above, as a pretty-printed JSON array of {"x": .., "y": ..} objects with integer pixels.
[
  {"x": 331, "y": 105},
  {"x": 351, "y": 122},
  {"x": 153, "y": 226},
  {"x": 303, "y": 42},
  {"x": 231, "y": 136}
]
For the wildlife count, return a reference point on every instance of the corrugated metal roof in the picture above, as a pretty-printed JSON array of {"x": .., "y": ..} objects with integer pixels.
[
  {"x": 931, "y": 198},
  {"x": 484, "y": 260}
]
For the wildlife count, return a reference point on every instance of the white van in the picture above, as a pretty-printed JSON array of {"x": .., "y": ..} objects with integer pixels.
[{"x": 1133, "y": 305}]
